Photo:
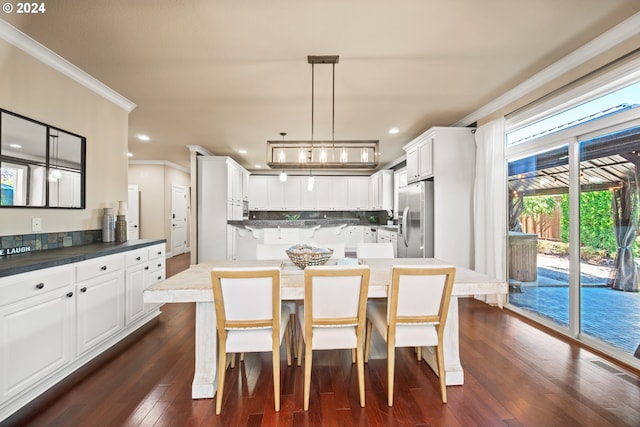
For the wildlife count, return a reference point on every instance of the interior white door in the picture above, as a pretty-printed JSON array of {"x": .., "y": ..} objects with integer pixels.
[
  {"x": 133, "y": 213},
  {"x": 178, "y": 219}
]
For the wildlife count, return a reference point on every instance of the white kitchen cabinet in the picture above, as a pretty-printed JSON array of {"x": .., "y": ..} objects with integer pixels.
[
  {"x": 144, "y": 268},
  {"x": 291, "y": 190},
  {"x": 55, "y": 320},
  {"x": 381, "y": 190},
  {"x": 451, "y": 154},
  {"x": 157, "y": 271},
  {"x": 419, "y": 159},
  {"x": 100, "y": 300},
  {"x": 388, "y": 236},
  {"x": 258, "y": 194},
  {"x": 37, "y": 328},
  {"x": 136, "y": 277},
  {"x": 354, "y": 235},
  {"x": 214, "y": 207},
  {"x": 357, "y": 193}
]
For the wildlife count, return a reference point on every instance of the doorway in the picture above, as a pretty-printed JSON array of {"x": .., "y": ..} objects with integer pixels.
[{"x": 178, "y": 219}]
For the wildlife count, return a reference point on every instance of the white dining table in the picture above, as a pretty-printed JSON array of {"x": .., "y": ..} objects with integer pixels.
[{"x": 194, "y": 285}]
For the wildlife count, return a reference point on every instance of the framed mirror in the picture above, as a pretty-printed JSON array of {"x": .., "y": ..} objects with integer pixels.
[{"x": 41, "y": 166}]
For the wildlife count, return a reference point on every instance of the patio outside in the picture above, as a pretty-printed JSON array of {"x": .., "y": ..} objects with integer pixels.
[{"x": 548, "y": 296}]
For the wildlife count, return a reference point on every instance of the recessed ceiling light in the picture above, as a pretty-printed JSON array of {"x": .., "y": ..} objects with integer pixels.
[
  {"x": 143, "y": 137},
  {"x": 393, "y": 131},
  {"x": 15, "y": 145},
  {"x": 242, "y": 151},
  {"x": 258, "y": 166}
]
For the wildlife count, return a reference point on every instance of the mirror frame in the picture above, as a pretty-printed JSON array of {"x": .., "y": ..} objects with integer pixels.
[{"x": 48, "y": 162}]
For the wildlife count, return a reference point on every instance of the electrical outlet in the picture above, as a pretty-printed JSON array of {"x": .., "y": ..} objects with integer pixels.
[{"x": 36, "y": 224}]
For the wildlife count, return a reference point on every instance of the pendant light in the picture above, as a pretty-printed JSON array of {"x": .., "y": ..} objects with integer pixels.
[
  {"x": 283, "y": 174},
  {"x": 54, "y": 173}
]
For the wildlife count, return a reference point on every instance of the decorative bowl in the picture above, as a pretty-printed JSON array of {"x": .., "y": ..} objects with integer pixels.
[{"x": 305, "y": 255}]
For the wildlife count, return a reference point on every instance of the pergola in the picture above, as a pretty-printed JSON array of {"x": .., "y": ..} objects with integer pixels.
[{"x": 610, "y": 162}]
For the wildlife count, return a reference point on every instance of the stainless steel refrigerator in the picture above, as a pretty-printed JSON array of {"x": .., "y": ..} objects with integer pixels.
[{"x": 415, "y": 220}]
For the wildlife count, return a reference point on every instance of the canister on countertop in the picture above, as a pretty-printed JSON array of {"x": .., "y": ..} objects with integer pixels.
[
  {"x": 121, "y": 228},
  {"x": 108, "y": 225}
]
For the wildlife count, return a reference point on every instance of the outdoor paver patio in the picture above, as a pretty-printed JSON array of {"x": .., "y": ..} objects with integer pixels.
[{"x": 610, "y": 315}]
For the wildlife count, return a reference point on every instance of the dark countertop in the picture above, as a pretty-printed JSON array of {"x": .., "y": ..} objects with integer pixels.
[
  {"x": 30, "y": 261},
  {"x": 298, "y": 223},
  {"x": 308, "y": 223}
]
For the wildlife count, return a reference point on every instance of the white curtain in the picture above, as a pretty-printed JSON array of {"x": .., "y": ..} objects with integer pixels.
[{"x": 490, "y": 203}]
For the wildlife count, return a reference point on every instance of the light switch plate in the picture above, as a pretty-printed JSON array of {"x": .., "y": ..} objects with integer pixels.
[{"x": 36, "y": 224}]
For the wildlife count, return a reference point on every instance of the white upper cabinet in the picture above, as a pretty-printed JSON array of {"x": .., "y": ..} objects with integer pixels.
[
  {"x": 381, "y": 190},
  {"x": 220, "y": 181},
  {"x": 340, "y": 193},
  {"x": 419, "y": 159},
  {"x": 258, "y": 195},
  {"x": 358, "y": 193}
]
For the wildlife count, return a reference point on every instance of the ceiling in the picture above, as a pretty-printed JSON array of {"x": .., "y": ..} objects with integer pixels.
[{"x": 230, "y": 75}]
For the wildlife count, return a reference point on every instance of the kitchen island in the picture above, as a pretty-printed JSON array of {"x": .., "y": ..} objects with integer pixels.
[{"x": 194, "y": 285}]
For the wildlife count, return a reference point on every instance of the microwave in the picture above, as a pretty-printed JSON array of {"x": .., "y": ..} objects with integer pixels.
[{"x": 245, "y": 209}]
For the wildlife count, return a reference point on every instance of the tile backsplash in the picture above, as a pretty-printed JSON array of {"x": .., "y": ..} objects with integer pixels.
[{"x": 45, "y": 241}]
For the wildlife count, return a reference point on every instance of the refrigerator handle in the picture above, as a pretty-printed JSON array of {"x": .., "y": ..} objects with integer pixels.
[{"x": 405, "y": 217}]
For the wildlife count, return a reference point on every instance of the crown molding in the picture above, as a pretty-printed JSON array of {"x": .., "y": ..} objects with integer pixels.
[
  {"x": 160, "y": 163},
  {"x": 17, "y": 38},
  {"x": 200, "y": 150},
  {"x": 628, "y": 28}
]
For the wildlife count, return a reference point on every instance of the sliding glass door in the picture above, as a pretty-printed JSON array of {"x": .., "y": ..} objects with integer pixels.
[
  {"x": 538, "y": 241},
  {"x": 609, "y": 247}
]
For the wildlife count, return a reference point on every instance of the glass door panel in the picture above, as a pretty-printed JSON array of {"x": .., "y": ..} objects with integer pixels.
[
  {"x": 609, "y": 247},
  {"x": 538, "y": 244}
]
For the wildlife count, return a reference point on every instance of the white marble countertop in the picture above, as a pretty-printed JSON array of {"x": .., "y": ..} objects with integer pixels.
[{"x": 194, "y": 284}]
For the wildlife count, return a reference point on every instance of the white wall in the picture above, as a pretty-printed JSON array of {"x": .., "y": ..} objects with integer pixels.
[
  {"x": 154, "y": 181},
  {"x": 35, "y": 90}
]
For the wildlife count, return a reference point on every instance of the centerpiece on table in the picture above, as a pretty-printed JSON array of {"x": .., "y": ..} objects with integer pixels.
[{"x": 305, "y": 255}]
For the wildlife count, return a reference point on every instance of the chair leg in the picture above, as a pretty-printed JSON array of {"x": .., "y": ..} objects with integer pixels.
[
  {"x": 232, "y": 358},
  {"x": 367, "y": 344},
  {"x": 353, "y": 355},
  {"x": 222, "y": 367},
  {"x": 293, "y": 321},
  {"x": 276, "y": 375},
  {"x": 391, "y": 364},
  {"x": 419, "y": 353},
  {"x": 287, "y": 344},
  {"x": 242, "y": 356},
  {"x": 360, "y": 366},
  {"x": 300, "y": 339},
  {"x": 308, "y": 354},
  {"x": 442, "y": 374}
]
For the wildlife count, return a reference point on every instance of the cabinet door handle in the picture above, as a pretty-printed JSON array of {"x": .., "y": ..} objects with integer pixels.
[
  {"x": 70, "y": 294},
  {"x": 146, "y": 268},
  {"x": 83, "y": 289},
  {"x": 137, "y": 258},
  {"x": 159, "y": 265},
  {"x": 159, "y": 277},
  {"x": 103, "y": 268},
  {"x": 159, "y": 252},
  {"x": 40, "y": 286}
]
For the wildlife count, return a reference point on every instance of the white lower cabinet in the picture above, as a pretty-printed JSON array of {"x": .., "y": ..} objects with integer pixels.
[
  {"x": 37, "y": 327},
  {"x": 54, "y": 320},
  {"x": 100, "y": 308},
  {"x": 136, "y": 278}
]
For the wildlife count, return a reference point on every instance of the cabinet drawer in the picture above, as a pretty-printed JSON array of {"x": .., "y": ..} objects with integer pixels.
[
  {"x": 155, "y": 277},
  {"x": 136, "y": 257},
  {"x": 33, "y": 283},
  {"x": 95, "y": 267},
  {"x": 157, "y": 251},
  {"x": 157, "y": 264}
]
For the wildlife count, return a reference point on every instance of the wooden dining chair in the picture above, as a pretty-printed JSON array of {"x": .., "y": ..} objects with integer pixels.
[
  {"x": 279, "y": 252},
  {"x": 414, "y": 315},
  {"x": 333, "y": 316},
  {"x": 374, "y": 250},
  {"x": 249, "y": 318}
]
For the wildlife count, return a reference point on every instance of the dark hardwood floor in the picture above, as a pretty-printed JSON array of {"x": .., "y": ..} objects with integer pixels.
[{"x": 515, "y": 375}]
